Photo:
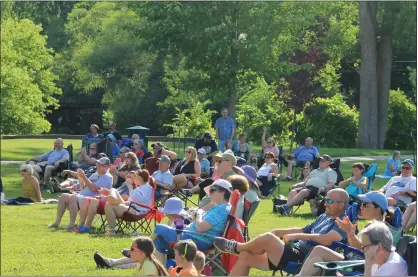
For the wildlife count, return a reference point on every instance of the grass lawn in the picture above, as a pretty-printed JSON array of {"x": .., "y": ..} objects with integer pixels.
[
  {"x": 25, "y": 235},
  {"x": 21, "y": 149}
]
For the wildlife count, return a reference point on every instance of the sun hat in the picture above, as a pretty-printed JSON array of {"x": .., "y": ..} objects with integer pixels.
[{"x": 174, "y": 206}]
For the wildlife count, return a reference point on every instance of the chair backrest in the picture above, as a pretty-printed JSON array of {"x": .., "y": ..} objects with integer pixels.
[
  {"x": 407, "y": 248},
  {"x": 69, "y": 148},
  {"x": 370, "y": 173},
  {"x": 249, "y": 210}
]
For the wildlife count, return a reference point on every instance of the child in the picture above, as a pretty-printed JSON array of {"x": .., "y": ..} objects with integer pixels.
[
  {"x": 199, "y": 262},
  {"x": 142, "y": 250},
  {"x": 185, "y": 253}
]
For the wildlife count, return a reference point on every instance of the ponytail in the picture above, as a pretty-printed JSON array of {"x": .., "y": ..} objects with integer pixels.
[{"x": 162, "y": 271}]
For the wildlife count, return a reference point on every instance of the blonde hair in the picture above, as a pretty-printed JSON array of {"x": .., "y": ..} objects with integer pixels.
[
  {"x": 199, "y": 261},
  {"x": 27, "y": 168},
  {"x": 132, "y": 156},
  {"x": 193, "y": 152}
]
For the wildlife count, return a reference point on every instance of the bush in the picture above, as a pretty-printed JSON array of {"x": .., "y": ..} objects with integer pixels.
[
  {"x": 402, "y": 120},
  {"x": 329, "y": 121}
]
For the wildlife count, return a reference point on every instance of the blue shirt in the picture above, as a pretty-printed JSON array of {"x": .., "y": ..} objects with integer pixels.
[
  {"x": 353, "y": 189},
  {"x": 55, "y": 155},
  {"x": 322, "y": 225},
  {"x": 306, "y": 154},
  {"x": 396, "y": 165},
  {"x": 204, "y": 164},
  {"x": 224, "y": 126},
  {"x": 216, "y": 217},
  {"x": 163, "y": 177},
  {"x": 101, "y": 181},
  {"x": 91, "y": 138}
]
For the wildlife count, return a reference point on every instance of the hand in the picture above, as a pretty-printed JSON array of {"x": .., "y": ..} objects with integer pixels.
[
  {"x": 83, "y": 151},
  {"x": 80, "y": 173},
  {"x": 351, "y": 179},
  {"x": 129, "y": 183},
  {"x": 289, "y": 237},
  {"x": 346, "y": 225},
  {"x": 264, "y": 129},
  {"x": 65, "y": 171},
  {"x": 56, "y": 164}
]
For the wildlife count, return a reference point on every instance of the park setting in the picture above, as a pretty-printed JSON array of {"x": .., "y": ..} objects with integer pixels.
[{"x": 286, "y": 133}]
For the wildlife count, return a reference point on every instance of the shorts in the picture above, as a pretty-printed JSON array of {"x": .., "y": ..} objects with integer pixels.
[
  {"x": 313, "y": 192},
  {"x": 290, "y": 254},
  {"x": 101, "y": 206}
]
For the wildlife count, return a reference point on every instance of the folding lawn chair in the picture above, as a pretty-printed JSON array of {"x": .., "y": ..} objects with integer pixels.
[{"x": 249, "y": 210}]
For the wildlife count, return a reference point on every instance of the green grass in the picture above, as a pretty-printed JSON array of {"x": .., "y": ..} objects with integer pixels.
[
  {"x": 25, "y": 236},
  {"x": 21, "y": 149}
]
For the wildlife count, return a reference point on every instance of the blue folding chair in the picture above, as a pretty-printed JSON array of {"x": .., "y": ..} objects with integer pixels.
[{"x": 370, "y": 173}]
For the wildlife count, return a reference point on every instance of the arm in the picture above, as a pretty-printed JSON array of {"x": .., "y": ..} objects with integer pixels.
[
  {"x": 325, "y": 239},
  {"x": 203, "y": 226},
  {"x": 35, "y": 185},
  {"x": 36, "y": 158},
  {"x": 275, "y": 170},
  {"x": 330, "y": 185},
  {"x": 197, "y": 170},
  {"x": 362, "y": 184},
  {"x": 232, "y": 134},
  {"x": 172, "y": 155},
  {"x": 354, "y": 241},
  {"x": 87, "y": 181},
  {"x": 281, "y": 232},
  {"x": 72, "y": 173},
  {"x": 344, "y": 183}
]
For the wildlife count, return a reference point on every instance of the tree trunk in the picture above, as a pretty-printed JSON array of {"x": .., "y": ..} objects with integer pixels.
[
  {"x": 367, "y": 132},
  {"x": 232, "y": 82},
  {"x": 293, "y": 137},
  {"x": 384, "y": 70}
]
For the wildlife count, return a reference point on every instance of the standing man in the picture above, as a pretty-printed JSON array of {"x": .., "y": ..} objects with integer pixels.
[
  {"x": 114, "y": 132},
  {"x": 225, "y": 129},
  {"x": 209, "y": 145}
]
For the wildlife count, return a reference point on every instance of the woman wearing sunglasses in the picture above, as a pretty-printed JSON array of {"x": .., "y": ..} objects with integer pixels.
[
  {"x": 269, "y": 145},
  {"x": 131, "y": 164},
  {"x": 30, "y": 187},
  {"x": 204, "y": 227},
  {"x": 374, "y": 208},
  {"x": 187, "y": 171},
  {"x": 267, "y": 173},
  {"x": 142, "y": 251}
]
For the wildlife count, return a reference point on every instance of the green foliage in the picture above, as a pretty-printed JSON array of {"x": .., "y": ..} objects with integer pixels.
[
  {"x": 329, "y": 121},
  {"x": 402, "y": 122},
  {"x": 413, "y": 80},
  {"x": 260, "y": 107},
  {"x": 27, "y": 82},
  {"x": 192, "y": 122}
]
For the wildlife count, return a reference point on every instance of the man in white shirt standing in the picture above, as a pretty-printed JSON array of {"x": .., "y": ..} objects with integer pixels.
[
  {"x": 381, "y": 259},
  {"x": 401, "y": 189}
]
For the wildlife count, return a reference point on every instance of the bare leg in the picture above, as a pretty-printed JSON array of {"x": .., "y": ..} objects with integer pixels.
[
  {"x": 91, "y": 212},
  {"x": 73, "y": 211},
  {"x": 299, "y": 198},
  {"x": 195, "y": 189},
  {"x": 409, "y": 218},
  {"x": 289, "y": 168},
  {"x": 48, "y": 172},
  {"x": 83, "y": 210},
  {"x": 318, "y": 254},
  {"x": 179, "y": 181},
  {"x": 153, "y": 236},
  {"x": 257, "y": 253},
  {"x": 113, "y": 212},
  {"x": 292, "y": 194},
  {"x": 63, "y": 202}
]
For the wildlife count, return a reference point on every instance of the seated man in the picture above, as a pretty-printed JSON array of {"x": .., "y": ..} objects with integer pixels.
[
  {"x": 87, "y": 160},
  {"x": 163, "y": 176},
  {"x": 89, "y": 188},
  {"x": 269, "y": 252},
  {"x": 318, "y": 180},
  {"x": 305, "y": 153},
  {"x": 92, "y": 136},
  {"x": 50, "y": 161},
  {"x": 151, "y": 164},
  {"x": 209, "y": 145},
  {"x": 204, "y": 163},
  {"x": 381, "y": 259},
  {"x": 401, "y": 189}
]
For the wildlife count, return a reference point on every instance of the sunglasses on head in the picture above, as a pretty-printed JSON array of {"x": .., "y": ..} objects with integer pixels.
[
  {"x": 331, "y": 201},
  {"x": 268, "y": 157},
  {"x": 406, "y": 167}
]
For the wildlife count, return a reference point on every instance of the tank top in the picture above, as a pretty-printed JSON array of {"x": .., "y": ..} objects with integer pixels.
[
  {"x": 186, "y": 169},
  {"x": 28, "y": 190},
  {"x": 264, "y": 170},
  {"x": 352, "y": 189}
]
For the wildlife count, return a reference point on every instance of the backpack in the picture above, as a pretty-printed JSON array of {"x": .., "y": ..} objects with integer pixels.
[{"x": 407, "y": 248}]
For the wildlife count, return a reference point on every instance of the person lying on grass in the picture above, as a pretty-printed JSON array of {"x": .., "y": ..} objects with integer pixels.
[
  {"x": 143, "y": 194},
  {"x": 89, "y": 188},
  {"x": 273, "y": 250},
  {"x": 91, "y": 206},
  {"x": 374, "y": 207},
  {"x": 173, "y": 209}
]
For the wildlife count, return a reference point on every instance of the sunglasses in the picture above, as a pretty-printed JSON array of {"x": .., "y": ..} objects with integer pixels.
[
  {"x": 134, "y": 248},
  {"x": 365, "y": 205},
  {"x": 213, "y": 189},
  {"x": 268, "y": 157},
  {"x": 406, "y": 168},
  {"x": 188, "y": 151},
  {"x": 330, "y": 201}
]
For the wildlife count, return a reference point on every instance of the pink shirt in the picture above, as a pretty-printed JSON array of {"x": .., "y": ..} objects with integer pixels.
[{"x": 273, "y": 149}]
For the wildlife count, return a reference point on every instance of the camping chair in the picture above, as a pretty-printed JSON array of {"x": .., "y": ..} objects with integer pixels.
[
  {"x": 370, "y": 173},
  {"x": 133, "y": 223},
  {"x": 298, "y": 169},
  {"x": 56, "y": 177},
  {"x": 249, "y": 210}
]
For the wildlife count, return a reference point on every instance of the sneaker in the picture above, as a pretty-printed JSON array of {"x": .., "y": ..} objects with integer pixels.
[
  {"x": 288, "y": 178},
  {"x": 53, "y": 225},
  {"x": 110, "y": 233},
  {"x": 78, "y": 228},
  {"x": 100, "y": 261},
  {"x": 187, "y": 192},
  {"x": 226, "y": 246},
  {"x": 283, "y": 210},
  {"x": 84, "y": 229}
]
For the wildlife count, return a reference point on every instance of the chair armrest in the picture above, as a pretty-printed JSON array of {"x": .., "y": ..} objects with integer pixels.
[
  {"x": 338, "y": 265},
  {"x": 131, "y": 205}
]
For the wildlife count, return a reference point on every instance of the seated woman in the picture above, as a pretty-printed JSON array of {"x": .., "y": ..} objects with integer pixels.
[
  {"x": 119, "y": 162},
  {"x": 241, "y": 148},
  {"x": 304, "y": 174},
  {"x": 131, "y": 164},
  {"x": 138, "y": 149},
  {"x": 204, "y": 228},
  {"x": 393, "y": 164},
  {"x": 173, "y": 209},
  {"x": 270, "y": 145},
  {"x": 143, "y": 194},
  {"x": 374, "y": 207},
  {"x": 30, "y": 187},
  {"x": 91, "y": 206},
  {"x": 254, "y": 192},
  {"x": 267, "y": 173},
  {"x": 187, "y": 171},
  {"x": 356, "y": 184}
]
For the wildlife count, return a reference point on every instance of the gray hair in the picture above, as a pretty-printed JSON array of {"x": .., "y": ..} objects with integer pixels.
[
  {"x": 379, "y": 232},
  {"x": 309, "y": 138},
  {"x": 124, "y": 150},
  {"x": 395, "y": 153},
  {"x": 344, "y": 197}
]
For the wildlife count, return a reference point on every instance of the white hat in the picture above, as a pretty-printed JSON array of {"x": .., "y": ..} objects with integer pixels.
[
  {"x": 221, "y": 183},
  {"x": 201, "y": 151},
  {"x": 174, "y": 206}
]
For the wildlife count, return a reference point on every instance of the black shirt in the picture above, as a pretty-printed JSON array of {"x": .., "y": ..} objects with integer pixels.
[{"x": 209, "y": 148}]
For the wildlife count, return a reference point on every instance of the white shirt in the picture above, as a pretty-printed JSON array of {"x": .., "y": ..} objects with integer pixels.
[
  {"x": 394, "y": 266},
  {"x": 264, "y": 170},
  {"x": 142, "y": 195},
  {"x": 399, "y": 183}
]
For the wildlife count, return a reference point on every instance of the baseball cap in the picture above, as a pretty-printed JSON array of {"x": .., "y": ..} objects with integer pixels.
[
  {"x": 409, "y": 161},
  {"x": 207, "y": 136},
  {"x": 103, "y": 161},
  {"x": 376, "y": 197},
  {"x": 165, "y": 158},
  {"x": 220, "y": 183},
  {"x": 229, "y": 155},
  {"x": 174, "y": 205},
  {"x": 201, "y": 151},
  {"x": 250, "y": 173},
  {"x": 326, "y": 158},
  {"x": 158, "y": 145}
]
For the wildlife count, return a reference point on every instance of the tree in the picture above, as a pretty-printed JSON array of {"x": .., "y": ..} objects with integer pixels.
[{"x": 27, "y": 81}]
